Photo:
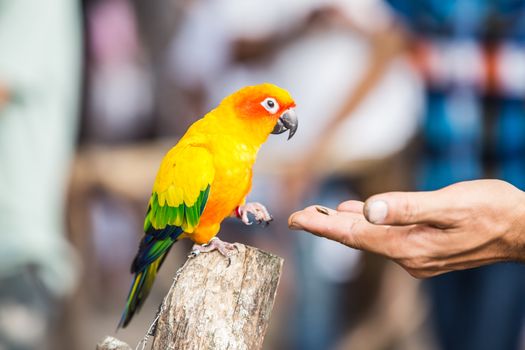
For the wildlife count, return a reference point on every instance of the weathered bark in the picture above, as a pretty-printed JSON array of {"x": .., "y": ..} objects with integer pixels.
[
  {"x": 110, "y": 343},
  {"x": 219, "y": 305}
]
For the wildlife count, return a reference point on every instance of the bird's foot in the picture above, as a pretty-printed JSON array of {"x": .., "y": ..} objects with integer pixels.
[
  {"x": 225, "y": 248},
  {"x": 253, "y": 212}
]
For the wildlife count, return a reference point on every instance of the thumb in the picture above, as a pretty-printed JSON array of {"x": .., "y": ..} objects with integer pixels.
[{"x": 408, "y": 208}]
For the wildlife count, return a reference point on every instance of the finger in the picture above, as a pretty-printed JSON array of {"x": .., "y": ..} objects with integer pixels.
[
  {"x": 333, "y": 226},
  {"x": 348, "y": 228},
  {"x": 408, "y": 208},
  {"x": 351, "y": 206}
]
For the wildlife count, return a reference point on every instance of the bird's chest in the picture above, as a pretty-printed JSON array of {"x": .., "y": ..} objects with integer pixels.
[{"x": 233, "y": 173}]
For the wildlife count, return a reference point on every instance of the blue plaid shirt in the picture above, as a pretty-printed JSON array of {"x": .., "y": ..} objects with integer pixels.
[{"x": 468, "y": 134}]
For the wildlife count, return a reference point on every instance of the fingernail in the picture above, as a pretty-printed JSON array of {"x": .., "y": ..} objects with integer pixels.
[
  {"x": 293, "y": 225},
  {"x": 376, "y": 211}
]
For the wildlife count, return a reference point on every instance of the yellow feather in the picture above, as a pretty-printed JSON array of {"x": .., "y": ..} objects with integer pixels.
[
  {"x": 162, "y": 198},
  {"x": 171, "y": 196},
  {"x": 184, "y": 173}
]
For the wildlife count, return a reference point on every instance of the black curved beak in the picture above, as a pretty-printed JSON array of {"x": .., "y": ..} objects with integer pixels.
[{"x": 287, "y": 121}]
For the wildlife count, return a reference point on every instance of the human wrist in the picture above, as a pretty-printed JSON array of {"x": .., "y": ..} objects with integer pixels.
[{"x": 517, "y": 237}]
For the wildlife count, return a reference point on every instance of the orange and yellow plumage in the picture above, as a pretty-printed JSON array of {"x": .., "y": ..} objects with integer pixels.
[{"x": 203, "y": 179}]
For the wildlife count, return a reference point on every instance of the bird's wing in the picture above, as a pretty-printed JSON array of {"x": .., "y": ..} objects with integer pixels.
[{"x": 180, "y": 193}]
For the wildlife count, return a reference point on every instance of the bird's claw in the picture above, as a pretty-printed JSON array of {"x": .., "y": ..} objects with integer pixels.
[
  {"x": 194, "y": 253},
  {"x": 226, "y": 249},
  {"x": 254, "y": 212}
]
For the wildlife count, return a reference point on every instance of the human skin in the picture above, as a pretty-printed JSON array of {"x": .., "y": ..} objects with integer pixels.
[{"x": 461, "y": 226}]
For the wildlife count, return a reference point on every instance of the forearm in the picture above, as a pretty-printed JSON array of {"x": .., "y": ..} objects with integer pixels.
[{"x": 515, "y": 243}]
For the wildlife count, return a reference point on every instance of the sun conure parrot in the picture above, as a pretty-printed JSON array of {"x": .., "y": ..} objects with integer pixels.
[{"x": 205, "y": 178}]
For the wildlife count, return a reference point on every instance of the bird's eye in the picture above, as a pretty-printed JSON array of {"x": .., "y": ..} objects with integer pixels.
[{"x": 270, "y": 104}]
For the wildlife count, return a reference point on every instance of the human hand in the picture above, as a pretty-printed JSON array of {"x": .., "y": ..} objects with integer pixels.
[{"x": 461, "y": 226}]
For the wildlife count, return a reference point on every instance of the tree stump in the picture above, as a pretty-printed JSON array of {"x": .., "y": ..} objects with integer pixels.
[{"x": 219, "y": 303}]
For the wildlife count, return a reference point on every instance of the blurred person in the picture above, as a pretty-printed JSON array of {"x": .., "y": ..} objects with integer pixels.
[
  {"x": 39, "y": 84},
  {"x": 120, "y": 100},
  {"x": 470, "y": 54},
  {"x": 473, "y": 128}
]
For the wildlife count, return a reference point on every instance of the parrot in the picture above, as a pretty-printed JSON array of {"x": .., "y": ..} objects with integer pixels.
[{"x": 205, "y": 178}]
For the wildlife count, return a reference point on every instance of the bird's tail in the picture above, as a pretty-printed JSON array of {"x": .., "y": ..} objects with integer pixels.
[{"x": 139, "y": 290}]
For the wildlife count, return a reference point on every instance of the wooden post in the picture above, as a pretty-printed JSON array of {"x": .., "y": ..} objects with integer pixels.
[{"x": 220, "y": 303}]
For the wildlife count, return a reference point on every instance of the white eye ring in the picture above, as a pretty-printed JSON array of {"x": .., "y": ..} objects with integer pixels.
[{"x": 270, "y": 104}]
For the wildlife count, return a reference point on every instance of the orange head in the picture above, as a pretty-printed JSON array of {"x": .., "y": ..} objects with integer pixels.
[{"x": 264, "y": 109}]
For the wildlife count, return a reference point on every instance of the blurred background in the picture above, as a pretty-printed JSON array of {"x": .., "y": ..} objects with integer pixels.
[{"x": 391, "y": 95}]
